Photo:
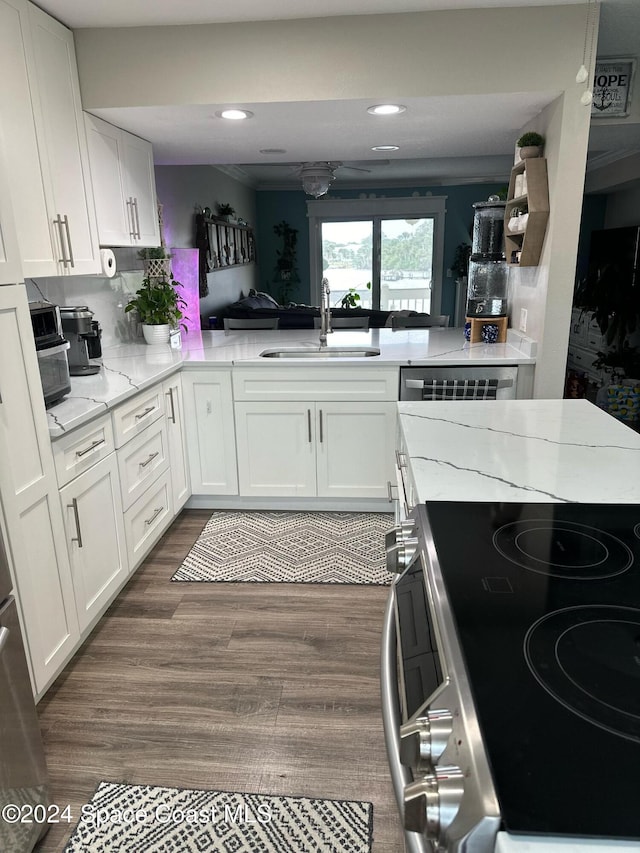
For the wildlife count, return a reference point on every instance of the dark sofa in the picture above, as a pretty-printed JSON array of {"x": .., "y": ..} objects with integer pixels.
[{"x": 261, "y": 305}]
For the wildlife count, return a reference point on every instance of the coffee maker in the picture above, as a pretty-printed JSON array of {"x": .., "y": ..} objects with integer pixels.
[{"x": 83, "y": 334}]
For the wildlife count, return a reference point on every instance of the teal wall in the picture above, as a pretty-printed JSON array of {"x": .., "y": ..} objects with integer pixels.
[{"x": 291, "y": 205}]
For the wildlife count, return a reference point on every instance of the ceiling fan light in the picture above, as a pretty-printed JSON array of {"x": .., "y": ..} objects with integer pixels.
[{"x": 316, "y": 178}]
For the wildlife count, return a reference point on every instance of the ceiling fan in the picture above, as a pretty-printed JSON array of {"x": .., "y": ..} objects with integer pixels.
[{"x": 317, "y": 176}]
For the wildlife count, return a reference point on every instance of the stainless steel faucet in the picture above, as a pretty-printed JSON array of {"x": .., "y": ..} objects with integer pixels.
[{"x": 325, "y": 312}]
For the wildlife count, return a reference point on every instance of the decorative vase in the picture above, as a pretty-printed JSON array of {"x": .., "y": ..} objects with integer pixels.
[
  {"x": 530, "y": 151},
  {"x": 156, "y": 334}
]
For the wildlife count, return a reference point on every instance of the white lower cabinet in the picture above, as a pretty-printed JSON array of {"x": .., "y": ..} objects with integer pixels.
[
  {"x": 276, "y": 449},
  {"x": 327, "y": 449},
  {"x": 93, "y": 518},
  {"x": 30, "y": 516},
  {"x": 147, "y": 518},
  {"x": 210, "y": 432},
  {"x": 177, "y": 441},
  {"x": 355, "y": 449}
]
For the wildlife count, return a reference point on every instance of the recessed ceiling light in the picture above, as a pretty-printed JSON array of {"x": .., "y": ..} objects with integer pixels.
[
  {"x": 386, "y": 109},
  {"x": 386, "y": 148},
  {"x": 273, "y": 150},
  {"x": 234, "y": 115}
]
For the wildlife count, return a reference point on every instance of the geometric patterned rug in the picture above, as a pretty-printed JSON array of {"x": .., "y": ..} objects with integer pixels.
[
  {"x": 148, "y": 819},
  {"x": 290, "y": 547}
]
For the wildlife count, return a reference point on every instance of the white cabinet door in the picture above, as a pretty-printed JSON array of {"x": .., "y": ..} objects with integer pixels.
[
  {"x": 140, "y": 189},
  {"x": 210, "y": 431},
  {"x": 34, "y": 529},
  {"x": 123, "y": 184},
  {"x": 10, "y": 266},
  {"x": 276, "y": 449},
  {"x": 174, "y": 413},
  {"x": 62, "y": 145},
  {"x": 21, "y": 145},
  {"x": 115, "y": 222},
  {"x": 95, "y": 537},
  {"x": 355, "y": 444}
]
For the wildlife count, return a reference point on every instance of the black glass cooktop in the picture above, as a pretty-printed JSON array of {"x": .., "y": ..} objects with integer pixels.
[{"x": 546, "y": 599}]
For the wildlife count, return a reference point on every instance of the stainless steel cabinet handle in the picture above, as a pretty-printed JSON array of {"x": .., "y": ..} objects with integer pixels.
[
  {"x": 173, "y": 411},
  {"x": 390, "y": 487},
  {"x": 93, "y": 446},
  {"x": 132, "y": 221},
  {"x": 321, "y": 435},
  {"x": 309, "y": 424},
  {"x": 59, "y": 222},
  {"x": 156, "y": 513},
  {"x": 4, "y": 636},
  {"x": 69, "y": 246},
  {"x": 74, "y": 506},
  {"x": 137, "y": 219},
  {"x": 150, "y": 458},
  {"x": 146, "y": 412}
]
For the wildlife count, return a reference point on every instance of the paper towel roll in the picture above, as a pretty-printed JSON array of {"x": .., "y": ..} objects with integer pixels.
[{"x": 108, "y": 262}]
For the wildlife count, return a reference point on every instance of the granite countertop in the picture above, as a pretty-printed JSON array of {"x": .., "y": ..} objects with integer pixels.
[
  {"x": 520, "y": 450},
  {"x": 131, "y": 367}
]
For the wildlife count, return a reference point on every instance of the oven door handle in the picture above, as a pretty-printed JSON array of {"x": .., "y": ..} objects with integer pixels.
[
  {"x": 54, "y": 350},
  {"x": 400, "y": 775}
]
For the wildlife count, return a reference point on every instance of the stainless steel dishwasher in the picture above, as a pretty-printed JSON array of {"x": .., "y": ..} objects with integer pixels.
[{"x": 458, "y": 383}]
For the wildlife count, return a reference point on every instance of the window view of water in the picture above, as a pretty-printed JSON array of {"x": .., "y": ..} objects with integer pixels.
[{"x": 406, "y": 253}]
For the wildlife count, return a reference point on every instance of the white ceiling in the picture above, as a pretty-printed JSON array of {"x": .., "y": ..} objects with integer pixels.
[{"x": 434, "y": 146}]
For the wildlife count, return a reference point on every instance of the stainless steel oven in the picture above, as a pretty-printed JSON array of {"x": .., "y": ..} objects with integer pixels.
[
  {"x": 439, "y": 770},
  {"x": 509, "y": 662},
  {"x": 51, "y": 350}
]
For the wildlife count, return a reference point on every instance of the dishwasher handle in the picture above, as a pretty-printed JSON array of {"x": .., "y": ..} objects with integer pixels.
[{"x": 419, "y": 384}]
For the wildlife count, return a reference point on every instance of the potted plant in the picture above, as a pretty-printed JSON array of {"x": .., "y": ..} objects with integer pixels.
[
  {"x": 225, "y": 211},
  {"x": 530, "y": 145},
  {"x": 286, "y": 272},
  {"x": 159, "y": 307},
  {"x": 156, "y": 261}
]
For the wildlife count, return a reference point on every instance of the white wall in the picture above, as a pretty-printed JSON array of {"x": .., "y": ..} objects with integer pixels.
[{"x": 180, "y": 189}]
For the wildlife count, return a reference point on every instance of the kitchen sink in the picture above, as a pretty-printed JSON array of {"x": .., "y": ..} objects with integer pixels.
[{"x": 324, "y": 352}]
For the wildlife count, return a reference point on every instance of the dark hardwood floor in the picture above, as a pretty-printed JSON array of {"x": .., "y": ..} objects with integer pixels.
[{"x": 264, "y": 688}]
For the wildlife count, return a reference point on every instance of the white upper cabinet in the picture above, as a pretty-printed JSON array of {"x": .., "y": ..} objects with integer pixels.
[
  {"x": 21, "y": 145},
  {"x": 10, "y": 266},
  {"x": 45, "y": 144},
  {"x": 124, "y": 185},
  {"x": 62, "y": 143}
]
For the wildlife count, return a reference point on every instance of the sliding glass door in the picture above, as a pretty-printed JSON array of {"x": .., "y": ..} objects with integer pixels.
[{"x": 390, "y": 262}]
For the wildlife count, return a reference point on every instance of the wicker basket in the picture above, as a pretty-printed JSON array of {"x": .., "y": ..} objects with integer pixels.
[{"x": 157, "y": 268}]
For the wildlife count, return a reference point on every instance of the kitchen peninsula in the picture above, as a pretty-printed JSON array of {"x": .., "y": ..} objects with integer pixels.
[{"x": 131, "y": 367}]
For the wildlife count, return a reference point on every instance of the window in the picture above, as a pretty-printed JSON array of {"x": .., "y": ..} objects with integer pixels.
[{"x": 386, "y": 253}]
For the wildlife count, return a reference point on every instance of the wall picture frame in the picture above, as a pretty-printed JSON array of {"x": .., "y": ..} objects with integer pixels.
[{"x": 612, "y": 82}]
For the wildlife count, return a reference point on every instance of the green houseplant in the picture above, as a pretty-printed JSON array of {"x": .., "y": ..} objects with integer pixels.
[
  {"x": 156, "y": 260},
  {"x": 225, "y": 211},
  {"x": 286, "y": 272},
  {"x": 530, "y": 144},
  {"x": 159, "y": 307}
]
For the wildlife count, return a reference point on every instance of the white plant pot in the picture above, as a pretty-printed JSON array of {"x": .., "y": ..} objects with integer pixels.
[{"x": 156, "y": 334}]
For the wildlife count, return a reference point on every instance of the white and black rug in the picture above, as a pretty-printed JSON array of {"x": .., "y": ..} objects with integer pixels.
[
  {"x": 149, "y": 819},
  {"x": 290, "y": 547}
]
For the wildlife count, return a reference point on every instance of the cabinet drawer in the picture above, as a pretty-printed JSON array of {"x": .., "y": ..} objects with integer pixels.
[
  {"x": 78, "y": 451},
  {"x": 132, "y": 417},
  {"x": 141, "y": 461},
  {"x": 316, "y": 383},
  {"x": 147, "y": 518}
]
